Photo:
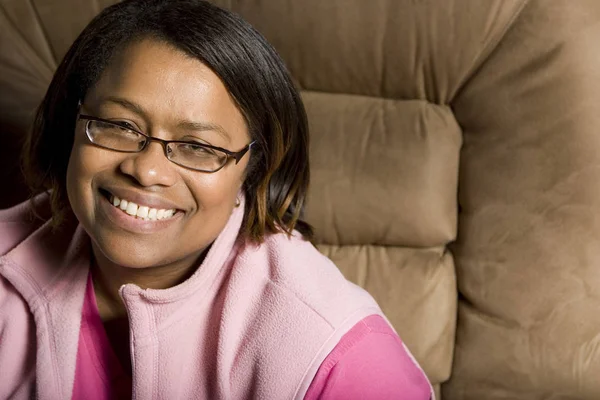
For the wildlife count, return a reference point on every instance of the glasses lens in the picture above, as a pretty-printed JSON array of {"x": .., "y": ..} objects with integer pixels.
[
  {"x": 113, "y": 136},
  {"x": 196, "y": 156}
]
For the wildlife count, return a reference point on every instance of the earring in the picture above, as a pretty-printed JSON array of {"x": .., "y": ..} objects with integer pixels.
[{"x": 237, "y": 202}]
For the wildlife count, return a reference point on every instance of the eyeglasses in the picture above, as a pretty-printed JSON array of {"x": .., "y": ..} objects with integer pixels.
[{"x": 121, "y": 137}]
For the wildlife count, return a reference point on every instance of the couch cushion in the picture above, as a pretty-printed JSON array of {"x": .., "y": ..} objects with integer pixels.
[{"x": 384, "y": 171}]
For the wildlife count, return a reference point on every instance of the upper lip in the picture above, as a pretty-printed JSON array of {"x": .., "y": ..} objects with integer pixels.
[{"x": 142, "y": 199}]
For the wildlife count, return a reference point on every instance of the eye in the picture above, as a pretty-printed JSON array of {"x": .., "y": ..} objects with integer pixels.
[
  {"x": 121, "y": 129},
  {"x": 126, "y": 125},
  {"x": 196, "y": 149}
]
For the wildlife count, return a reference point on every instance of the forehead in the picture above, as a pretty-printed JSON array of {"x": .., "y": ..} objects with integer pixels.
[{"x": 169, "y": 86}]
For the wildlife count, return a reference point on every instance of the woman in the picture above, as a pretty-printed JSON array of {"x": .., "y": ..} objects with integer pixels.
[{"x": 172, "y": 149}]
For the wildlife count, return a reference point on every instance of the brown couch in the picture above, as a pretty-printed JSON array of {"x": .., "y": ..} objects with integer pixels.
[{"x": 456, "y": 168}]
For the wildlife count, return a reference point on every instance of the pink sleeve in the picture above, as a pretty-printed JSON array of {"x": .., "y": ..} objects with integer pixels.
[{"x": 370, "y": 362}]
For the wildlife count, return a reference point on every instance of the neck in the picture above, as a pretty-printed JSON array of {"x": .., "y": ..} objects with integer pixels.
[{"x": 109, "y": 277}]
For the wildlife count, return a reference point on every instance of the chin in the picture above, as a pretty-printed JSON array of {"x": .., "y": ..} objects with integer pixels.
[{"x": 129, "y": 255}]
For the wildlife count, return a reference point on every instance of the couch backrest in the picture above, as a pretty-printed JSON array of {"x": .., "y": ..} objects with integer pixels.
[
  {"x": 528, "y": 249},
  {"x": 453, "y": 144}
]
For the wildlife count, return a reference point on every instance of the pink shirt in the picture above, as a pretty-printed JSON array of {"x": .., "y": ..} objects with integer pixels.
[
  {"x": 369, "y": 362},
  {"x": 98, "y": 373}
]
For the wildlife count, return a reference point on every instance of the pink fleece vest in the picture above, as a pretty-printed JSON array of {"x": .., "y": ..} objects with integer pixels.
[
  {"x": 369, "y": 362},
  {"x": 255, "y": 320}
]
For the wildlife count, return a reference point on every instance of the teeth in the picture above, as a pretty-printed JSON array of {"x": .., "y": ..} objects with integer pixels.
[
  {"x": 142, "y": 212},
  {"x": 131, "y": 209}
]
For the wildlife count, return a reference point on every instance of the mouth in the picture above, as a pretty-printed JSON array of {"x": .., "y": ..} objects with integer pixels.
[{"x": 139, "y": 211}]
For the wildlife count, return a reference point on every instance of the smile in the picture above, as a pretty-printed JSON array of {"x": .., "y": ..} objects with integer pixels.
[{"x": 140, "y": 211}]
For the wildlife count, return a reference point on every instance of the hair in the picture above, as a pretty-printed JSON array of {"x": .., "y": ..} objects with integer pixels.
[{"x": 277, "y": 175}]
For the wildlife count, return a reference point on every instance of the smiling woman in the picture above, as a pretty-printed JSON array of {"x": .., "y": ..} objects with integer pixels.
[{"x": 172, "y": 150}]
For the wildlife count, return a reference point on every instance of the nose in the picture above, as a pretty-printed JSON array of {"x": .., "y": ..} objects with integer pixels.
[{"x": 150, "y": 167}]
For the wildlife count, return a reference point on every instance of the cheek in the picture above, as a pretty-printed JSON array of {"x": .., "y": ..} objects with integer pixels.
[
  {"x": 77, "y": 180},
  {"x": 84, "y": 164},
  {"x": 80, "y": 206},
  {"x": 213, "y": 191}
]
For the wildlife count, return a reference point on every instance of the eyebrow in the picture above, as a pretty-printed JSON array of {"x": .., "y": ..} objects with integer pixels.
[
  {"x": 197, "y": 126},
  {"x": 204, "y": 126}
]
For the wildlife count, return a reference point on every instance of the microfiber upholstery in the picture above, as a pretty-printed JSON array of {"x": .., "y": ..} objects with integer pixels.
[{"x": 455, "y": 169}]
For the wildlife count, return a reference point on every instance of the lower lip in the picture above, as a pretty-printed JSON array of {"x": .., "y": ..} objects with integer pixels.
[{"x": 133, "y": 224}]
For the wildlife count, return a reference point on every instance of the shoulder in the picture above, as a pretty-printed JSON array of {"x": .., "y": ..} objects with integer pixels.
[
  {"x": 17, "y": 333},
  {"x": 32, "y": 252},
  {"x": 294, "y": 266},
  {"x": 293, "y": 259},
  {"x": 370, "y": 361},
  {"x": 286, "y": 259},
  {"x": 20, "y": 221},
  {"x": 17, "y": 342}
]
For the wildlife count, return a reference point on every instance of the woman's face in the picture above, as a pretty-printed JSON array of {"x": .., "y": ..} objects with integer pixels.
[{"x": 163, "y": 93}]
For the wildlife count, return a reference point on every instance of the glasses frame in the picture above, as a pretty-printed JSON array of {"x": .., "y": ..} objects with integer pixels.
[{"x": 235, "y": 155}]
